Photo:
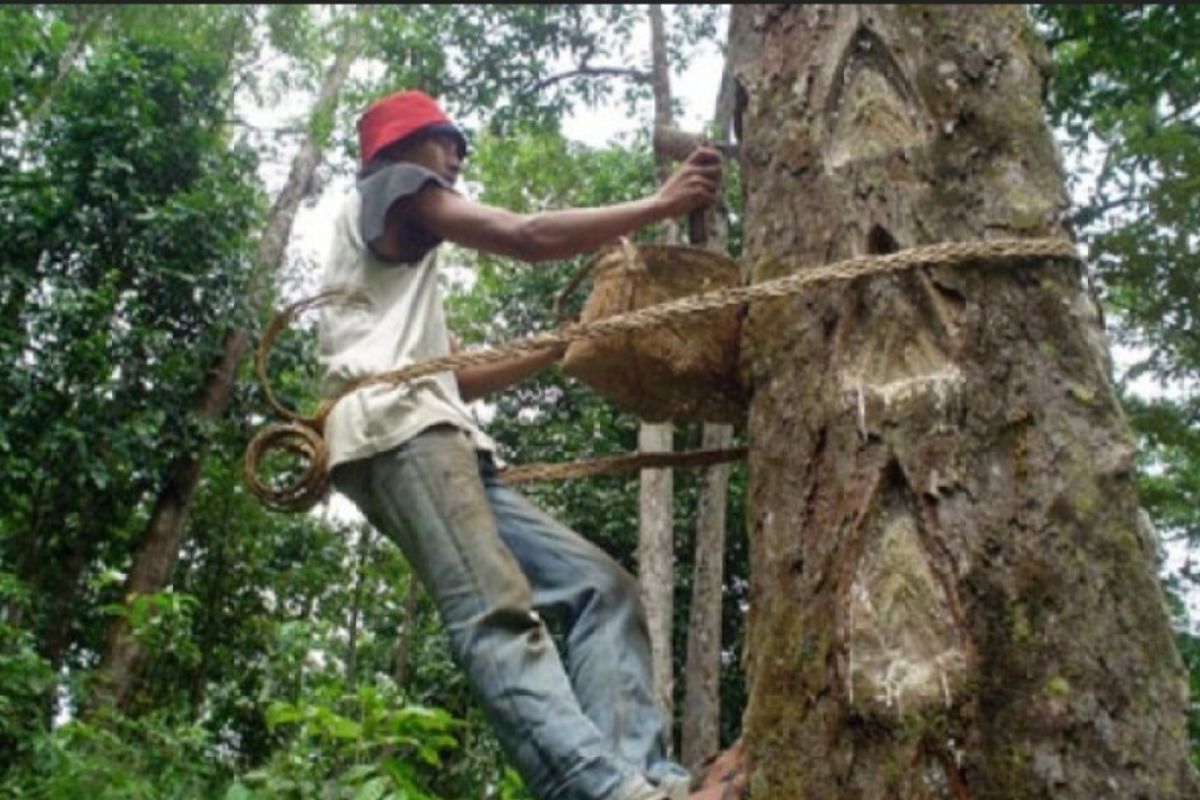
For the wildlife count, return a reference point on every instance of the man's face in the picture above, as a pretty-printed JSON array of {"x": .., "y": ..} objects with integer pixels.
[{"x": 438, "y": 153}]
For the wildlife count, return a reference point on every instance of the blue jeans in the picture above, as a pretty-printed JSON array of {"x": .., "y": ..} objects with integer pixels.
[{"x": 576, "y": 729}]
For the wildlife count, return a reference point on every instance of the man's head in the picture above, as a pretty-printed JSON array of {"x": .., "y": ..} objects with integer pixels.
[{"x": 410, "y": 126}]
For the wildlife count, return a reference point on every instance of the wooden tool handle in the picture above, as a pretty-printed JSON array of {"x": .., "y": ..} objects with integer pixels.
[{"x": 697, "y": 228}]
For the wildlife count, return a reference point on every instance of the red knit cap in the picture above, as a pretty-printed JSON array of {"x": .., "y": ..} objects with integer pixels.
[{"x": 399, "y": 116}]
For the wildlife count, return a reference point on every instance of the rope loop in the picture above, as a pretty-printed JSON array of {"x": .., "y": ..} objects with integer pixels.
[
  {"x": 279, "y": 323},
  {"x": 303, "y": 442}
]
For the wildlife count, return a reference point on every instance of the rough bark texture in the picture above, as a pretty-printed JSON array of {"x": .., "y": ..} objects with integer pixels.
[
  {"x": 953, "y": 594},
  {"x": 159, "y": 549}
]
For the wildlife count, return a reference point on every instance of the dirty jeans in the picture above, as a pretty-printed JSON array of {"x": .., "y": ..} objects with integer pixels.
[{"x": 576, "y": 729}]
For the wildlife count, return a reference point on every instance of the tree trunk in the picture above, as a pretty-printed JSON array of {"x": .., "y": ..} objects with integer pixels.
[
  {"x": 656, "y": 554},
  {"x": 58, "y": 636},
  {"x": 701, "y": 730},
  {"x": 210, "y": 617},
  {"x": 88, "y": 22},
  {"x": 360, "y": 578},
  {"x": 403, "y": 652},
  {"x": 160, "y": 545},
  {"x": 952, "y": 595},
  {"x": 700, "y": 733},
  {"x": 656, "y": 560}
]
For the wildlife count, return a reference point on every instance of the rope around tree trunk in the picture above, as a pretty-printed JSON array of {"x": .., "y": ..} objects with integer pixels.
[{"x": 302, "y": 435}]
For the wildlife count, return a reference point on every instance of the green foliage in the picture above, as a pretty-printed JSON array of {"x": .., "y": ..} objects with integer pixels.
[
  {"x": 125, "y": 243},
  {"x": 25, "y": 677},
  {"x": 160, "y": 622},
  {"x": 124, "y": 251},
  {"x": 1189, "y": 648},
  {"x": 111, "y": 757},
  {"x": 506, "y": 68},
  {"x": 1169, "y": 466},
  {"x": 291, "y": 29},
  {"x": 499, "y": 57},
  {"x": 32, "y": 45},
  {"x": 369, "y": 744}
]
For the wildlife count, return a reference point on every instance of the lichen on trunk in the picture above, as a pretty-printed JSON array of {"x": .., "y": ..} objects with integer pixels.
[{"x": 951, "y": 593}]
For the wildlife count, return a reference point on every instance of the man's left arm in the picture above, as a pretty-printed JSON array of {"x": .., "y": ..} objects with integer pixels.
[{"x": 480, "y": 380}]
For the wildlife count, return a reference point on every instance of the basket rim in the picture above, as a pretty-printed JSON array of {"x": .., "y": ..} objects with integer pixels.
[{"x": 652, "y": 250}]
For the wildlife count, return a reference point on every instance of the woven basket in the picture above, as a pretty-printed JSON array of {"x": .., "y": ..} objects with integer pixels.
[{"x": 683, "y": 371}]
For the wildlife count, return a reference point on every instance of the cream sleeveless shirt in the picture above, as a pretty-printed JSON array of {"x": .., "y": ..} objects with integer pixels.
[{"x": 403, "y": 322}]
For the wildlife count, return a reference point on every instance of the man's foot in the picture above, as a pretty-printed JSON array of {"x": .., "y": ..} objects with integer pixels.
[
  {"x": 724, "y": 776},
  {"x": 716, "y": 791}
]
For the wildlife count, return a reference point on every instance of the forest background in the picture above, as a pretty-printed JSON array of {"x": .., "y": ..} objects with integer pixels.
[{"x": 166, "y": 173}]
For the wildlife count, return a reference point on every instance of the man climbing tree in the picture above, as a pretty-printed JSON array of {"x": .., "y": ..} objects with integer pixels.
[
  {"x": 412, "y": 459},
  {"x": 953, "y": 592}
]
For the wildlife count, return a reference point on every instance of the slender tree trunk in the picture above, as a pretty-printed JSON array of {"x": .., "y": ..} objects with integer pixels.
[
  {"x": 83, "y": 30},
  {"x": 701, "y": 729},
  {"x": 26, "y": 554},
  {"x": 656, "y": 555},
  {"x": 656, "y": 562},
  {"x": 700, "y": 732},
  {"x": 210, "y": 619},
  {"x": 360, "y": 575},
  {"x": 400, "y": 660},
  {"x": 952, "y": 596},
  {"x": 160, "y": 545},
  {"x": 57, "y": 638}
]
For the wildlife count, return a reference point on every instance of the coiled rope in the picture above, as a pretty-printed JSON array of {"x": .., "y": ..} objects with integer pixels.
[{"x": 302, "y": 435}]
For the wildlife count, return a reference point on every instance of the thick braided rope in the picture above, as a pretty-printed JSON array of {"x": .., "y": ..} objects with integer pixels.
[
  {"x": 654, "y": 316},
  {"x": 312, "y": 484}
]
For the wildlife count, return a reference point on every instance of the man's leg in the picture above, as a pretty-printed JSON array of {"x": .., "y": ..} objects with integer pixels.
[
  {"x": 608, "y": 643},
  {"x": 427, "y": 496}
]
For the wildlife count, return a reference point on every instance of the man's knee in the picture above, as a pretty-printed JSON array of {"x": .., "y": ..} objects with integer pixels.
[{"x": 613, "y": 588}]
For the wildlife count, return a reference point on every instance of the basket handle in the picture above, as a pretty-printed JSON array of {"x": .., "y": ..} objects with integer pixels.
[{"x": 631, "y": 257}]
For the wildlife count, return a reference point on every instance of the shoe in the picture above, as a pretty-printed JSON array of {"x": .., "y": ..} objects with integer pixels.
[
  {"x": 638, "y": 788},
  {"x": 677, "y": 787}
]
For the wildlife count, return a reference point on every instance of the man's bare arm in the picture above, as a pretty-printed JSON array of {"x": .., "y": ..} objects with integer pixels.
[
  {"x": 483, "y": 379},
  {"x": 551, "y": 234}
]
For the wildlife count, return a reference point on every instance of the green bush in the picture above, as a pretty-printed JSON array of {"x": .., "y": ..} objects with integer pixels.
[{"x": 365, "y": 745}]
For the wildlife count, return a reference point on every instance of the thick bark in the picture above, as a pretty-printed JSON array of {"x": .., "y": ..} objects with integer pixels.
[
  {"x": 160, "y": 545},
  {"x": 952, "y": 595}
]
